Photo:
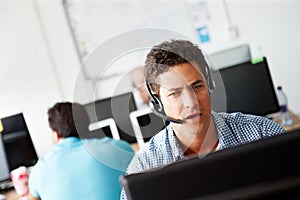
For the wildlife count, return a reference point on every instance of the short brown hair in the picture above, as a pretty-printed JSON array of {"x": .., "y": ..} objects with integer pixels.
[
  {"x": 68, "y": 119},
  {"x": 169, "y": 53}
]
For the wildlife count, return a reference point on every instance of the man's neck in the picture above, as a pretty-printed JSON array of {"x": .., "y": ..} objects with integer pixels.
[{"x": 200, "y": 143}]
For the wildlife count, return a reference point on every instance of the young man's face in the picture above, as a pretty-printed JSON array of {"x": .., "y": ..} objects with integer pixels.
[{"x": 184, "y": 95}]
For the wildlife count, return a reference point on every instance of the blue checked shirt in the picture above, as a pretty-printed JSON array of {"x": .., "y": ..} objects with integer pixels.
[{"x": 233, "y": 129}]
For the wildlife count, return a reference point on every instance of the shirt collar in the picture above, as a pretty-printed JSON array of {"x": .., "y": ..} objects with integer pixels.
[{"x": 68, "y": 142}]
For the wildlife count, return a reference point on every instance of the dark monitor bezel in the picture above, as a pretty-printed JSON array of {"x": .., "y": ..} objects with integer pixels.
[
  {"x": 125, "y": 129},
  {"x": 16, "y": 130},
  {"x": 243, "y": 104},
  {"x": 257, "y": 169},
  {"x": 145, "y": 130},
  {"x": 106, "y": 127}
]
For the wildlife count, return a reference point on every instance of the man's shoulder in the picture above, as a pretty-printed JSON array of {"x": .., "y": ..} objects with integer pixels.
[
  {"x": 156, "y": 152},
  {"x": 107, "y": 142},
  {"x": 247, "y": 127},
  {"x": 110, "y": 152},
  {"x": 156, "y": 143},
  {"x": 243, "y": 119}
]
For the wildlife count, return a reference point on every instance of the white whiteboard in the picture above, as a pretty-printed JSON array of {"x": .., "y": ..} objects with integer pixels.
[{"x": 94, "y": 22}]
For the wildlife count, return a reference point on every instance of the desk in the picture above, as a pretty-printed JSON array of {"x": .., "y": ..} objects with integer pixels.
[
  {"x": 10, "y": 195},
  {"x": 296, "y": 123}
]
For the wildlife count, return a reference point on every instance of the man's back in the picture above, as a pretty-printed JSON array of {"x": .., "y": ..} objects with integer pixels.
[{"x": 81, "y": 169}]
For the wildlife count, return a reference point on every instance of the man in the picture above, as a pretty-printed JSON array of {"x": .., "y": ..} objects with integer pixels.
[
  {"x": 78, "y": 168},
  {"x": 180, "y": 82},
  {"x": 141, "y": 96}
]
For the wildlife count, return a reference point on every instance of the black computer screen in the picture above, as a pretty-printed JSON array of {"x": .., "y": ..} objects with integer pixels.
[
  {"x": 262, "y": 169},
  {"x": 116, "y": 107},
  {"x": 99, "y": 133},
  {"x": 4, "y": 169},
  {"x": 17, "y": 145},
  {"x": 107, "y": 131},
  {"x": 150, "y": 124},
  {"x": 249, "y": 89}
]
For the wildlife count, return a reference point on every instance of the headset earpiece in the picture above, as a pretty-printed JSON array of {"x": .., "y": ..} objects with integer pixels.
[
  {"x": 210, "y": 80},
  {"x": 157, "y": 107},
  {"x": 156, "y": 104},
  {"x": 209, "y": 67}
]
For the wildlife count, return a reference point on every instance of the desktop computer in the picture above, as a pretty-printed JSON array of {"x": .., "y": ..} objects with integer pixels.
[
  {"x": 248, "y": 87},
  {"x": 264, "y": 169},
  {"x": 118, "y": 108},
  {"x": 16, "y": 147}
]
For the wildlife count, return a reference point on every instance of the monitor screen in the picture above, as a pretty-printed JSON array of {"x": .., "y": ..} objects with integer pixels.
[
  {"x": 248, "y": 87},
  {"x": 263, "y": 169},
  {"x": 107, "y": 127},
  {"x": 231, "y": 56},
  {"x": 16, "y": 145},
  {"x": 146, "y": 124},
  {"x": 117, "y": 107},
  {"x": 4, "y": 169}
]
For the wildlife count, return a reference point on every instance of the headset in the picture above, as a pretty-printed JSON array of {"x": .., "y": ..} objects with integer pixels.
[{"x": 157, "y": 107}]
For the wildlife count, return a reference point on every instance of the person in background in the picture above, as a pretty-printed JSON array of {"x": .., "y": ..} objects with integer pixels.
[
  {"x": 78, "y": 168},
  {"x": 140, "y": 94},
  {"x": 180, "y": 81}
]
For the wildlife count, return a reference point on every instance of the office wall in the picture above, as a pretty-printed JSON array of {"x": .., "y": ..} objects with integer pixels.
[
  {"x": 38, "y": 62},
  {"x": 62, "y": 50},
  {"x": 274, "y": 26},
  {"x": 27, "y": 81}
]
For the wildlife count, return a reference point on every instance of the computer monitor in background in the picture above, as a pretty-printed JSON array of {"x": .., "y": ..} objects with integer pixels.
[
  {"x": 4, "y": 169},
  {"x": 116, "y": 107},
  {"x": 231, "y": 56},
  {"x": 105, "y": 127},
  {"x": 16, "y": 145},
  {"x": 249, "y": 89},
  {"x": 145, "y": 125},
  {"x": 265, "y": 169}
]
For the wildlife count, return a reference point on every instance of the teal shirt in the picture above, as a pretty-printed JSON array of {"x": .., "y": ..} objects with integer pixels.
[{"x": 81, "y": 169}]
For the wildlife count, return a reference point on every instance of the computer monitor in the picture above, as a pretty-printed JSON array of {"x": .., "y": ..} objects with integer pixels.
[
  {"x": 16, "y": 147},
  {"x": 105, "y": 127},
  {"x": 145, "y": 125},
  {"x": 249, "y": 89},
  {"x": 231, "y": 56},
  {"x": 263, "y": 169},
  {"x": 4, "y": 169},
  {"x": 116, "y": 107}
]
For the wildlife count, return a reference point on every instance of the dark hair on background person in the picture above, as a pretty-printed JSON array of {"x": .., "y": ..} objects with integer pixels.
[
  {"x": 170, "y": 53},
  {"x": 68, "y": 119}
]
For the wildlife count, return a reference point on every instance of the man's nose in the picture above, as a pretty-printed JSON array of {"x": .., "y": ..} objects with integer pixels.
[{"x": 188, "y": 98}]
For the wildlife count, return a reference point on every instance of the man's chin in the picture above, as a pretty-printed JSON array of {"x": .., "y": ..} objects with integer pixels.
[{"x": 187, "y": 127}]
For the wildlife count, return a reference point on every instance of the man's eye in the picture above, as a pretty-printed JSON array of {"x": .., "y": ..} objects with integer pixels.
[
  {"x": 196, "y": 87},
  {"x": 174, "y": 94}
]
